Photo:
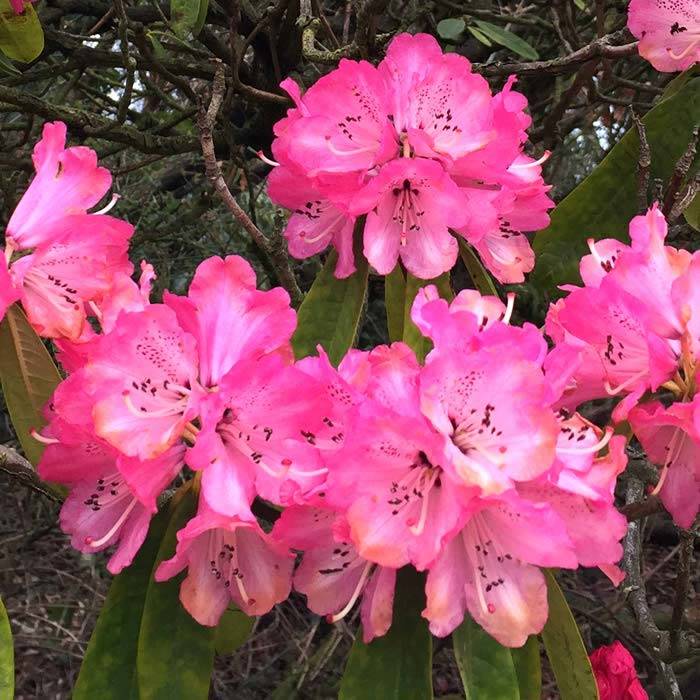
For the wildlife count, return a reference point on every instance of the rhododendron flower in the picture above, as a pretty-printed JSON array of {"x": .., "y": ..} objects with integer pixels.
[
  {"x": 421, "y": 147},
  {"x": 671, "y": 438},
  {"x": 668, "y": 32},
  {"x": 411, "y": 204},
  {"x": 615, "y": 674},
  {"x": 67, "y": 183},
  {"x": 111, "y": 499},
  {"x": 75, "y": 255},
  {"x": 490, "y": 569},
  {"x": 170, "y": 358},
  {"x": 434, "y": 438},
  {"x": 332, "y": 575},
  {"x": 228, "y": 560},
  {"x": 624, "y": 327}
]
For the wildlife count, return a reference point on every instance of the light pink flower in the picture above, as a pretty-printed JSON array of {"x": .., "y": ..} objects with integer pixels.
[
  {"x": 671, "y": 439},
  {"x": 490, "y": 569},
  {"x": 332, "y": 575},
  {"x": 411, "y": 204},
  {"x": 615, "y": 674},
  {"x": 668, "y": 32},
  {"x": 228, "y": 560}
]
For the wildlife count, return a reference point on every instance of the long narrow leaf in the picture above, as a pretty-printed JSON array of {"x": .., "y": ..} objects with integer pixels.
[
  {"x": 7, "y": 657},
  {"x": 331, "y": 311},
  {"x": 528, "y": 668},
  {"x": 565, "y": 648},
  {"x": 29, "y": 377},
  {"x": 175, "y": 654},
  {"x": 397, "y": 666},
  {"x": 485, "y": 666}
]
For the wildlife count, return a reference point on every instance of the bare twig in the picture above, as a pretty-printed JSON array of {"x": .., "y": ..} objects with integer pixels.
[
  {"x": 205, "y": 123},
  {"x": 643, "y": 165},
  {"x": 682, "y": 585},
  {"x": 21, "y": 470}
]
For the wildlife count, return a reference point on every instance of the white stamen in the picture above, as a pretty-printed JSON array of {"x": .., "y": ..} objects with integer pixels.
[
  {"x": 533, "y": 164},
  {"x": 267, "y": 160},
  {"x": 594, "y": 251},
  {"x": 114, "y": 528},
  {"x": 314, "y": 472},
  {"x": 510, "y": 305},
  {"x": 590, "y": 448},
  {"x": 42, "y": 438},
  {"x": 174, "y": 410},
  {"x": 674, "y": 449},
  {"x": 418, "y": 528},
  {"x": 96, "y": 310},
  {"x": 614, "y": 391},
  {"x": 108, "y": 206},
  {"x": 355, "y": 594},
  {"x": 352, "y": 152},
  {"x": 9, "y": 249}
]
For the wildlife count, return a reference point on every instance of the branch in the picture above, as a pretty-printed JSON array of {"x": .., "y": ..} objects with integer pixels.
[
  {"x": 205, "y": 123},
  {"x": 607, "y": 46},
  {"x": 94, "y": 125},
  {"x": 20, "y": 469},
  {"x": 682, "y": 585}
]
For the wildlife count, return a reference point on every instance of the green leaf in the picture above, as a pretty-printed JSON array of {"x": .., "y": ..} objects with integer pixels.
[
  {"x": 480, "y": 36},
  {"x": 692, "y": 213},
  {"x": 451, "y": 29},
  {"x": 411, "y": 335},
  {"x": 21, "y": 36},
  {"x": 397, "y": 666},
  {"x": 109, "y": 668},
  {"x": 29, "y": 377},
  {"x": 485, "y": 666},
  {"x": 330, "y": 313},
  {"x": 508, "y": 39},
  {"x": 565, "y": 648},
  {"x": 580, "y": 4},
  {"x": 201, "y": 17},
  {"x": 232, "y": 632},
  {"x": 603, "y": 204},
  {"x": 528, "y": 668},
  {"x": 7, "y": 657},
  {"x": 175, "y": 653},
  {"x": 394, "y": 297},
  {"x": 480, "y": 277},
  {"x": 7, "y": 67},
  {"x": 184, "y": 15}
]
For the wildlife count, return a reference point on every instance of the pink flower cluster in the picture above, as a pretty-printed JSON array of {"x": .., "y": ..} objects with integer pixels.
[
  {"x": 468, "y": 466},
  {"x": 419, "y": 146},
  {"x": 668, "y": 32},
  {"x": 632, "y": 330},
  {"x": 59, "y": 259}
]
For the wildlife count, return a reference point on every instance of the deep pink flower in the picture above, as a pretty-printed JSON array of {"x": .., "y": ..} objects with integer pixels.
[
  {"x": 111, "y": 499},
  {"x": 262, "y": 438},
  {"x": 668, "y": 32},
  {"x": 68, "y": 182},
  {"x": 411, "y": 204},
  {"x": 419, "y": 145},
  {"x": 315, "y": 221},
  {"x": 228, "y": 560},
  {"x": 615, "y": 674},
  {"x": 169, "y": 359},
  {"x": 671, "y": 439},
  {"x": 332, "y": 575}
]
